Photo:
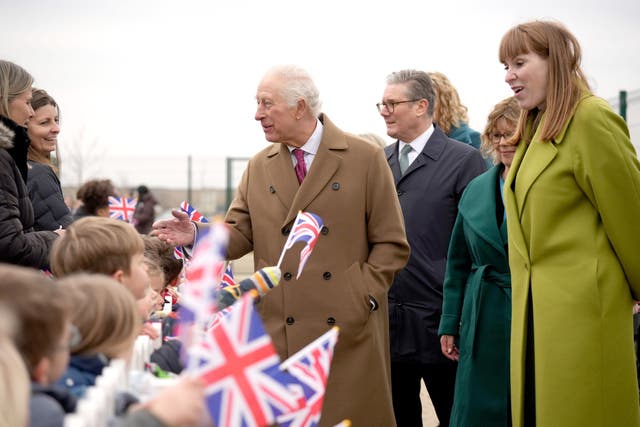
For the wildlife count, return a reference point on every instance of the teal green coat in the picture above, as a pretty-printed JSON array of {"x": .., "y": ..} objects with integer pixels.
[
  {"x": 477, "y": 305},
  {"x": 573, "y": 213}
]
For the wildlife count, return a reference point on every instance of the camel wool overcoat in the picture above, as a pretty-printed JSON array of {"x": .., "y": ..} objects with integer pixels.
[{"x": 345, "y": 281}]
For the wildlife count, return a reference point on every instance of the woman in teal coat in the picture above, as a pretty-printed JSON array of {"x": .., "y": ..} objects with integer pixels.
[{"x": 476, "y": 309}]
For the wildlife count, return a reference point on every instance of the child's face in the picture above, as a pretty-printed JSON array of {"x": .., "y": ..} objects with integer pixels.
[{"x": 137, "y": 279}]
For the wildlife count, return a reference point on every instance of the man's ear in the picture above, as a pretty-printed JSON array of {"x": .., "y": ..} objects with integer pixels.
[
  {"x": 301, "y": 107},
  {"x": 423, "y": 107},
  {"x": 40, "y": 372},
  {"x": 118, "y": 275}
]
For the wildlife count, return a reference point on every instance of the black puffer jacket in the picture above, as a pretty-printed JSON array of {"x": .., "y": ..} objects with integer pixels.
[
  {"x": 19, "y": 243},
  {"x": 49, "y": 208}
]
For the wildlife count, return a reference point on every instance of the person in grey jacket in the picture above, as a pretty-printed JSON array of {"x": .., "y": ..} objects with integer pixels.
[
  {"x": 19, "y": 242},
  {"x": 50, "y": 210}
]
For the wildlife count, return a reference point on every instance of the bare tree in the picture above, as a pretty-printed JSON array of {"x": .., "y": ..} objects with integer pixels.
[{"x": 82, "y": 156}]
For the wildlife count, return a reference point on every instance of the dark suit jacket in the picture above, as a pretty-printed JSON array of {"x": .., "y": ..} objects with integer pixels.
[{"x": 429, "y": 192}]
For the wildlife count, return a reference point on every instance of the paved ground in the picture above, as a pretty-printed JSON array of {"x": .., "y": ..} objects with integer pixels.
[{"x": 243, "y": 268}]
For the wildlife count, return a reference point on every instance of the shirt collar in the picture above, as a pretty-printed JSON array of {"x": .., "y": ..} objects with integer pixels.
[
  {"x": 419, "y": 143},
  {"x": 312, "y": 144}
]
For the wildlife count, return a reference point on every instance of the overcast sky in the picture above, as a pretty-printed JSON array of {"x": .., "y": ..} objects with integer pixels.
[{"x": 170, "y": 78}]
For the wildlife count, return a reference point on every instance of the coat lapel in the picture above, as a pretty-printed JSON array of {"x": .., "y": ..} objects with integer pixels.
[
  {"x": 324, "y": 166},
  {"x": 474, "y": 209},
  {"x": 282, "y": 176}
]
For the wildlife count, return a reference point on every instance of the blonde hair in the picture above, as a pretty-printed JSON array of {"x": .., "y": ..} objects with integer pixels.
[
  {"x": 507, "y": 109},
  {"x": 96, "y": 245},
  {"x": 41, "y": 99},
  {"x": 14, "y": 80},
  {"x": 448, "y": 111},
  {"x": 553, "y": 42},
  {"x": 106, "y": 314},
  {"x": 14, "y": 387}
]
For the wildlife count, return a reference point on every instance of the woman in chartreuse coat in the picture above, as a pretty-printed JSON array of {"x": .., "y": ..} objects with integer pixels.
[
  {"x": 476, "y": 305},
  {"x": 573, "y": 207}
]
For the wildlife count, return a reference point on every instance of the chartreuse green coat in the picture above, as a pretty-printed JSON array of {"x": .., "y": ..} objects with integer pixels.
[
  {"x": 477, "y": 305},
  {"x": 573, "y": 215}
]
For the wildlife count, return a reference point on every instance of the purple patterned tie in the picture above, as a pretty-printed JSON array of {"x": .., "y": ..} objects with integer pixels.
[{"x": 301, "y": 168}]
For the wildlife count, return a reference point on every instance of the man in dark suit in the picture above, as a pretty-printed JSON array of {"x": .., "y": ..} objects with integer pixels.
[{"x": 430, "y": 171}]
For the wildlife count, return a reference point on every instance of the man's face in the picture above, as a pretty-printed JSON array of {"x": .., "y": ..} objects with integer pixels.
[
  {"x": 404, "y": 122},
  {"x": 278, "y": 119}
]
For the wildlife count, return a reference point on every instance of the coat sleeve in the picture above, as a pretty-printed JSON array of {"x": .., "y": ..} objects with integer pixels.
[
  {"x": 607, "y": 170},
  {"x": 17, "y": 245},
  {"x": 455, "y": 280},
  {"x": 389, "y": 249},
  {"x": 239, "y": 220}
]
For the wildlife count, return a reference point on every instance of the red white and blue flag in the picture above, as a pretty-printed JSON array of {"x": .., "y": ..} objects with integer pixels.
[
  {"x": 227, "y": 277},
  {"x": 122, "y": 208},
  {"x": 310, "y": 366},
  {"x": 198, "y": 299},
  {"x": 194, "y": 215},
  {"x": 240, "y": 367},
  {"x": 306, "y": 228}
]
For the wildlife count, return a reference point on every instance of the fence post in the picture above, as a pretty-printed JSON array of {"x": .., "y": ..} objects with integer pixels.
[{"x": 623, "y": 104}]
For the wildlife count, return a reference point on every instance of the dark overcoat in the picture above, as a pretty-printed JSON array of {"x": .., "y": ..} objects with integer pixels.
[{"x": 429, "y": 193}]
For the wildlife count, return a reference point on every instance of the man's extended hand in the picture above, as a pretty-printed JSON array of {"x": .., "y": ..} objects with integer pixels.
[{"x": 177, "y": 231}]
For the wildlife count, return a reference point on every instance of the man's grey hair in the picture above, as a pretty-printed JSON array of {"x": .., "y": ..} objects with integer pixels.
[
  {"x": 419, "y": 86},
  {"x": 297, "y": 85}
]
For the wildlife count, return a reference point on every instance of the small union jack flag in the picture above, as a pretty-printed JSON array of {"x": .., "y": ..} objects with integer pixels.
[
  {"x": 194, "y": 215},
  {"x": 306, "y": 228},
  {"x": 227, "y": 277},
  {"x": 122, "y": 208},
  {"x": 203, "y": 273},
  {"x": 310, "y": 366},
  {"x": 240, "y": 368}
]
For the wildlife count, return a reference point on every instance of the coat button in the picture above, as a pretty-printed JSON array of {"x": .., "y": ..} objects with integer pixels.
[
  {"x": 287, "y": 276},
  {"x": 290, "y": 320},
  {"x": 324, "y": 230},
  {"x": 286, "y": 231},
  {"x": 271, "y": 189},
  {"x": 326, "y": 275},
  {"x": 331, "y": 321},
  {"x": 400, "y": 193},
  {"x": 335, "y": 186}
]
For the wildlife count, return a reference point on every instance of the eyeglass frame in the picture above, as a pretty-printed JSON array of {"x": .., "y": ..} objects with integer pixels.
[
  {"x": 393, "y": 104},
  {"x": 497, "y": 137}
]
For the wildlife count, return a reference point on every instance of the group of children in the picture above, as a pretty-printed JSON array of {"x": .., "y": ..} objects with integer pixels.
[{"x": 108, "y": 281}]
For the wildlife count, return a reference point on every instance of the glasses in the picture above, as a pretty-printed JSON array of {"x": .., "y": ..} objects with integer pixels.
[
  {"x": 391, "y": 105},
  {"x": 497, "y": 137}
]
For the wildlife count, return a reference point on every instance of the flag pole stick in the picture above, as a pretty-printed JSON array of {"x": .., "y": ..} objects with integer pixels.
[{"x": 284, "y": 249}]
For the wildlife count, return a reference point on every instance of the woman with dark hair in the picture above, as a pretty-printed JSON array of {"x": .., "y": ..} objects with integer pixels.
[
  {"x": 572, "y": 199},
  {"x": 19, "y": 242},
  {"x": 50, "y": 210},
  {"x": 94, "y": 195}
]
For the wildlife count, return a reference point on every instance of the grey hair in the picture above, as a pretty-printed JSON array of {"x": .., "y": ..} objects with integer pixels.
[
  {"x": 419, "y": 86},
  {"x": 298, "y": 84},
  {"x": 14, "y": 80}
]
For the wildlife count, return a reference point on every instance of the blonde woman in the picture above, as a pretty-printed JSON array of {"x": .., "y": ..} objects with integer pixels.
[
  {"x": 476, "y": 309},
  {"x": 450, "y": 114}
]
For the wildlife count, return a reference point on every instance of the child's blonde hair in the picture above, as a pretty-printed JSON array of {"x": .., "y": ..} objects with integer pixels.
[
  {"x": 105, "y": 314},
  {"x": 14, "y": 387},
  {"x": 96, "y": 245}
]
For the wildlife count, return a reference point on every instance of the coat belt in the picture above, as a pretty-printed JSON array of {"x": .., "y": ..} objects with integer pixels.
[{"x": 491, "y": 278}]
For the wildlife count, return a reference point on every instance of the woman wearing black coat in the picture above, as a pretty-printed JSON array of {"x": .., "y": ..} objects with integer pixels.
[
  {"x": 19, "y": 243},
  {"x": 50, "y": 210}
]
